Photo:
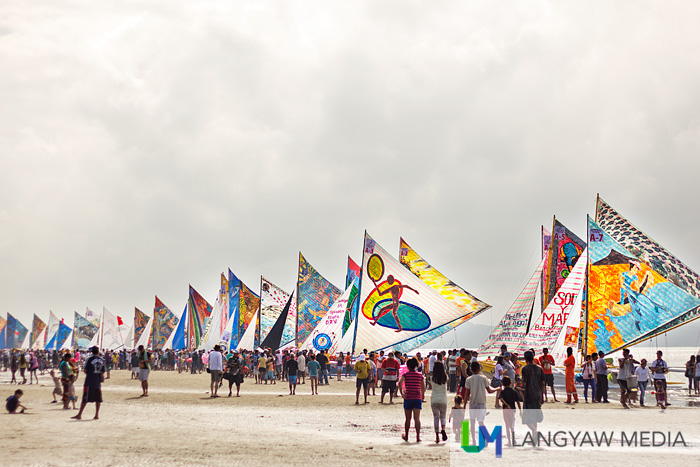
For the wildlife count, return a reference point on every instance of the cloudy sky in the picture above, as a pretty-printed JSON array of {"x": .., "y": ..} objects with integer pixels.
[{"x": 146, "y": 146}]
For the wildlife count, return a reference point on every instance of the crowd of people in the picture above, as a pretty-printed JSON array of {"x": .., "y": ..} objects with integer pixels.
[{"x": 517, "y": 384}]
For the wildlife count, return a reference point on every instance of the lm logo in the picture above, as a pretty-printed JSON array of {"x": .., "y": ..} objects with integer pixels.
[{"x": 484, "y": 438}]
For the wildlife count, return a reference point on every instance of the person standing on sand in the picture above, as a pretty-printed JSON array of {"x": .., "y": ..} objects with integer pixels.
[
  {"x": 322, "y": 360},
  {"x": 92, "y": 387},
  {"x": 643, "y": 375},
  {"x": 412, "y": 387},
  {"x": 144, "y": 369},
  {"x": 292, "y": 367},
  {"x": 476, "y": 387},
  {"x": 601, "y": 371},
  {"x": 626, "y": 370},
  {"x": 569, "y": 367},
  {"x": 659, "y": 368},
  {"x": 301, "y": 364},
  {"x": 314, "y": 368},
  {"x": 234, "y": 366},
  {"x": 546, "y": 361},
  {"x": 588, "y": 370},
  {"x": 390, "y": 370},
  {"x": 215, "y": 365},
  {"x": 362, "y": 368},
  {"x": 14, "y": 366},
  {"x": 438, "y": 400},
  {"x": 66, "y": 378},
  {"x": 532, "y": 391}
]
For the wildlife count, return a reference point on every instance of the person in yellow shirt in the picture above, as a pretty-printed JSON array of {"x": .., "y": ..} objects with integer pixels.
[
  {"x": 362, "y": 368},
  {"x": 262, "y": 368}
]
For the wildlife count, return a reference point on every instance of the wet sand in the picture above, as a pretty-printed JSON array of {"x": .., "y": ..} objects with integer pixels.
[{"x": 179, "y": 424}]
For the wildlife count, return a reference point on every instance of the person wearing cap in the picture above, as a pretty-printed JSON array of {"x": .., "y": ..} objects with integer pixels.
[
  {"x": 215, "y": 365},
  {"x": 659, "y": 369},
  {"x": 362, "y": 368},
  {"x": 233, "y": 370},
  {"x": 94, "y": 377}
]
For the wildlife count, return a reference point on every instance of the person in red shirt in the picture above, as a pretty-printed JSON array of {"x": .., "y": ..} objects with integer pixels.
[
  {"x": 546, "y": 361},
  {"x": 390, "y": 367}
]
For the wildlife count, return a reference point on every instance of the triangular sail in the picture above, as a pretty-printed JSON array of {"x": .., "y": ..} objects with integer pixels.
[
  {"x": 564, "y": 253},
  {"x": 178, "y": 340},
  {"x": 38, "y": 327},
  {"x": 249, "y": 305},
  {"x": 512, "y": 328},
  {"x": 51, "y": 329},
  {"x": 329, "y": 331},
  {"x": 219, "y": 317},
  {"x": 470, "y": 305},
  {"x": 114, "y": 335},
  {"x": 315, "y": 296},
  {"x": 248, "y": 339},
  {"x": 274, "y": 338},
  {"x": 145, "y": 339},
  {"x": 3, "y": 322},
  {"x": 92, "y": 317},
  {"x": 628, "y": 299},
  {"x": 415, "y": 309},
  {"x": 3, "y": 326},
  {"x": 651, "y": 252},
  {"x": 352, "y": 279},
  {"x": 61, "y": 338},
  {"x": 15, "y": 332},
  {"x": 140, "y": 323},
  {"x": 164, "y": 323},
  {"x": 547, "y": 327},
  {"x": 199, "y": 314},
  {"x": 83, "y": 331},
  {"x": 272, "y": 302},
  {"x": 231, "y": 336}
]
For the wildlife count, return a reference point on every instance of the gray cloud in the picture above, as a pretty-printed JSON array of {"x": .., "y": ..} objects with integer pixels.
[{"x": 147, "y": 146}]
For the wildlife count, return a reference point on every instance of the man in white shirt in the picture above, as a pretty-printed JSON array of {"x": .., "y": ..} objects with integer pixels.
[
  {"x": 642, "y": 374},
  {"x": 659, "y": 368},
  {"x": 431, "y": 362},
  {"x": 477, "y": 385},
  {"x": 301, "y": 372},
  {"x": 215, "y": 363}
]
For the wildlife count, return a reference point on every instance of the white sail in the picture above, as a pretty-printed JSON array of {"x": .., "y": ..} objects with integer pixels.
[
  {"x": 143, "y": 340},
  {"x": 416, "y": 308},
  {"x": 547, "y": 328},
  {"x": 113, "y": 334},
  {"x": 512, "y": 328},
  {"x": 248, "y": 340},
  {"x": 52, "y": 327}
]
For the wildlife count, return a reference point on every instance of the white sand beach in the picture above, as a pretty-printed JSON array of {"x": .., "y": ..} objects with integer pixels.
[{"x": 179, "y": 424}]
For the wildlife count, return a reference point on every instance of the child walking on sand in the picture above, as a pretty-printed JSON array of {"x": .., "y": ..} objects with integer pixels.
[
  {"x": 660, "y": 394},
  {"x": 56, "y": 386},
  {"x": 509, "y": 397},
  {"x": 456, "y": 417}
]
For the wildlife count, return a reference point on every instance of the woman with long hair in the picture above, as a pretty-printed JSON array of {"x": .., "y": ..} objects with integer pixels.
[
  {"x": 413, "y": 395},
  {"x": 438, "y": 400}
]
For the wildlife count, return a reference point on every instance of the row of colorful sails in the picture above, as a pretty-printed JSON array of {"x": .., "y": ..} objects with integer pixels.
[{"x": 616, "y": 289}]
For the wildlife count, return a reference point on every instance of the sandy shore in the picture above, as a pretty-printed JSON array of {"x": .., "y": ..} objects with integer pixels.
[{"x": 179, "y": 424}]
